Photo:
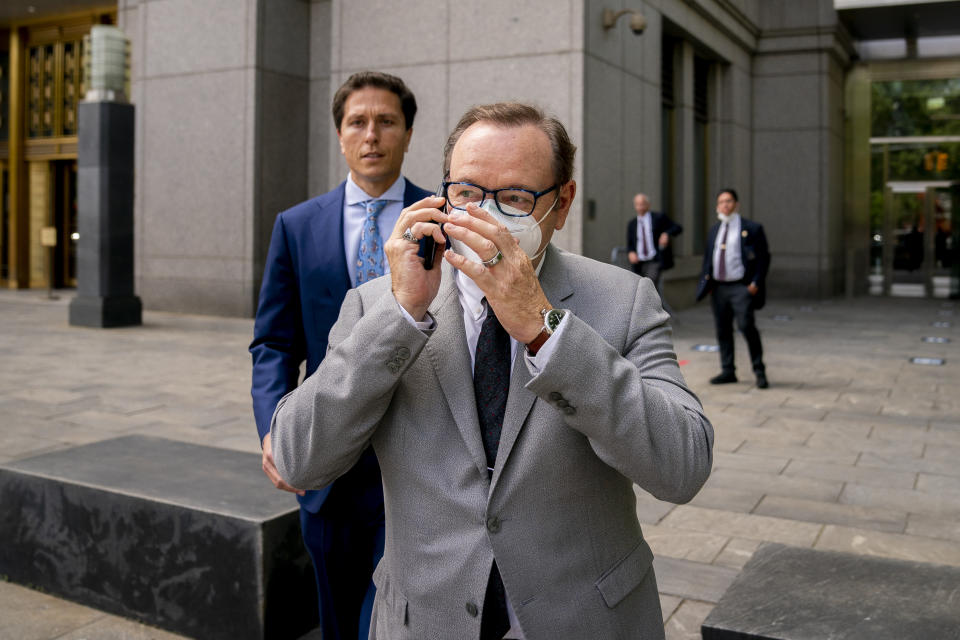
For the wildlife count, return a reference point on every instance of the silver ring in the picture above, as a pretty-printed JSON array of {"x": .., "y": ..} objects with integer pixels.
[
  {"x": 408, "y": 236},
  {"x": 492, "y": 261}
]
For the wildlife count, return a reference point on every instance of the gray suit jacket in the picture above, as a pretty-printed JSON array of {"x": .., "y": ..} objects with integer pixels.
[{"x": 559, "y": 514}]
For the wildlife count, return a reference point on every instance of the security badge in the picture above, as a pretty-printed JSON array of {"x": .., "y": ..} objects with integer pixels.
[{"x": 743, "y": 234}]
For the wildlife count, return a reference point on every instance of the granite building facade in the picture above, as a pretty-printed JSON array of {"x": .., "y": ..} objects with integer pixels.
[{"x": 233, "y": 123}]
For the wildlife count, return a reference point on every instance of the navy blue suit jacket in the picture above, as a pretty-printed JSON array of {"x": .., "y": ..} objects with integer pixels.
[
  {"x": 754, "y": 253},
  {"x": 304, "y": 283},
  {"x": 659, "y": 223}
]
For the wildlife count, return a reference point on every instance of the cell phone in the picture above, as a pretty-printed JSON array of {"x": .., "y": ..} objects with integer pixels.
[{"x": 428, "y": 246}]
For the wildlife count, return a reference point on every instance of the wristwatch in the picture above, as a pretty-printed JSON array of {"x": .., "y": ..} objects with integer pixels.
[{"x": 551, "y": 320}]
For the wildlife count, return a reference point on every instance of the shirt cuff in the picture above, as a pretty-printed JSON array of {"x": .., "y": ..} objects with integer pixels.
[
  {"x": 536, "y": 363},
  {"x": 427, "y": 325}
]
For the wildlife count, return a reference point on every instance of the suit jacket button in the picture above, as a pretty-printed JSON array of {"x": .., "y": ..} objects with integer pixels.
[
  {"x": 472, "y": 609},
  {"x": 562, "y": 403},
  {"x": 556, "y": 395},
  {"x": 493, "y": 524},
  {"x": 403, "y": 353},
  {"x": 569, "y": 410}
]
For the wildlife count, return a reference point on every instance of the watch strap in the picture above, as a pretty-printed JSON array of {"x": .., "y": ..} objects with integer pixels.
[{"x": 534, "y": 346}]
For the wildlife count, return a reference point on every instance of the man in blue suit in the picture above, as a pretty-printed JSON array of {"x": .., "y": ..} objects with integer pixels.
[
  {"x": 320, "y": 249},
  {"x": 735, "y": 264}
]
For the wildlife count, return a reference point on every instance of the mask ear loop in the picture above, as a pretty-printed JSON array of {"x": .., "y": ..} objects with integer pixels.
[{"x": 542, "y": 251}]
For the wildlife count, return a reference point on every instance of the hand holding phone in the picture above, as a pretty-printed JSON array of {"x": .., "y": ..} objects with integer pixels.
[{"x": 428, "y": 246}]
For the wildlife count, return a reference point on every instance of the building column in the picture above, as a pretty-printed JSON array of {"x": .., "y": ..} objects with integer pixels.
[
  {"x": 222, "y": 90},
  {"x": 684, "y": 156},
  {"x": 798, "y": 146},
  {"x": 19, "y": 230}
]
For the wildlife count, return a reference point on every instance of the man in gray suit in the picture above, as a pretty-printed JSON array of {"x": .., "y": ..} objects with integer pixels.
[{"x": 513, "y": 397}]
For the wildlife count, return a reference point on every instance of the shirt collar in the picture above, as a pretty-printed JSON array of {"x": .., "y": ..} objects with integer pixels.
[
  {"x": 353, "y": 194},
  {"x": 732, "y": 218},
  {"x": 471, "y": 295}
]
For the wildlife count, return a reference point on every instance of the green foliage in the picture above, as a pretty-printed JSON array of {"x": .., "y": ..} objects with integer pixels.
[{"x": 915, "y": 108}]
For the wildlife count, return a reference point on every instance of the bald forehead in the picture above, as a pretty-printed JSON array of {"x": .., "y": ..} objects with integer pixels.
[
  {"x": 528, "y": 135},
  {"x": 511, "y": 150}
]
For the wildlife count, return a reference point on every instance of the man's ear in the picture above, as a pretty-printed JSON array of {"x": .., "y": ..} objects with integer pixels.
[
  {"x": 567, "y": 193},
  {"x": 406, "y": 146}
]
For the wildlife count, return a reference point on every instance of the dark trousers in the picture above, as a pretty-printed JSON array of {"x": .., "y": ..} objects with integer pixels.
[
  {"x": 345, "y": 541},
  {"x": 650, "y": 269},
  {"x": 732, "y": 300}
]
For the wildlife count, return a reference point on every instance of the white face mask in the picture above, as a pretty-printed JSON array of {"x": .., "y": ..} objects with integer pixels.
[{"x": 525, "y": 229}]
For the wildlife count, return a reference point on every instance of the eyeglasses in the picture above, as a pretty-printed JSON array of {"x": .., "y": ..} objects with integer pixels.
[{"x": 460, "y": 194}]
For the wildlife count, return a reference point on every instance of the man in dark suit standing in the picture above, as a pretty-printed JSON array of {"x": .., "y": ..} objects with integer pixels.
[
  {"x": 318, "y": 251},
  {"x": 735, "y": 265},
  {"x": 648, "y": 241}
]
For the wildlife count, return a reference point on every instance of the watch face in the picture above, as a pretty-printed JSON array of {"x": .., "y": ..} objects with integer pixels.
[{"x": 553, "y": 318}]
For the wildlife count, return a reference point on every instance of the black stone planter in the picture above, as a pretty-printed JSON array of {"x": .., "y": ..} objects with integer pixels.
[{"x": 189, "y": 538}]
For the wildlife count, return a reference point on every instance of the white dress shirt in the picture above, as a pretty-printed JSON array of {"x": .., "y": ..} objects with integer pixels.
[
  {"x": 645, "y": 229},
  {"x": 733, "y": 259},
  {"x": 474, "y": 313},
  {"x": 355, "y": 213}
]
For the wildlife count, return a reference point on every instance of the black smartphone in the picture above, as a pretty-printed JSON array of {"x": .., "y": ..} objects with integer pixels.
[{"x": 428, "y": 246}]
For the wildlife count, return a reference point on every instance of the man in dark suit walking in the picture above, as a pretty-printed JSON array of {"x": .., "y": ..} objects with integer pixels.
[
  {"x": 319, "y": 250},
  {"x": 735, "y": 265},
  {"x": 648, "y": 241}
]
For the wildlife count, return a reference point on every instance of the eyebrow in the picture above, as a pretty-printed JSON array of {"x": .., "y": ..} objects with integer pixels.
[
  {"x": 512, "y": 186},
  {"x": 377, "y": 114}
]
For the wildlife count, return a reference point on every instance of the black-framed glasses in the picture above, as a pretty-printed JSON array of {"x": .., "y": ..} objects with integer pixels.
[{"x": 460, "y": 194}]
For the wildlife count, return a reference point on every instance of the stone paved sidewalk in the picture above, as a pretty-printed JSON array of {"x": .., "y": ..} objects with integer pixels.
[{"x": 853, "y": 448}]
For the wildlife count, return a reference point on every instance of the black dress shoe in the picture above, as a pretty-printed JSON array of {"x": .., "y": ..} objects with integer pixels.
[
  {"x": 724, "y": 378},
  {"x": 762, "y": 381}
]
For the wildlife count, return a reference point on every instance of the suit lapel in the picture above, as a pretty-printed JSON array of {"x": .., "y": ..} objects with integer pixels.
[
  {"x": 326, "y": 227},
  {"x": 746, "y": 231},
  {"x": 448, "y": 353},
  {"x": 556, "y": 285},
  {"x": 711, "y": 244},
  {"x": 412, "y": 193}
]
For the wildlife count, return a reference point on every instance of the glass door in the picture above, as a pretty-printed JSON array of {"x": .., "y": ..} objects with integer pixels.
[
  {"x": 915, "y": 165},
  {"x": 4, "y": 224},
  {"x": 919, "y": 249},
  {"x": 943, "y": 244},
  {"x": 905, "y": 243},
  {"x": 65, "y": 213}
]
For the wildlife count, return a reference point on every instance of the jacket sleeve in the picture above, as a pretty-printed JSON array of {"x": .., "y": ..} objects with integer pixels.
[
  {"x": 632, "y": 403},
  {"x": 279, "y": 345},
  {"x": 704, "y": 285},
  {"x": 763, "y": 256},
  {"x": 632, "y": 235},
  {"x": 672, "y": 228},
  {"x": 321, "y": 428}
]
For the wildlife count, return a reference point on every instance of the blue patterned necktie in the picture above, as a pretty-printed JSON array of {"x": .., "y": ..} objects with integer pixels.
[{"x": 370, "y": 253}]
